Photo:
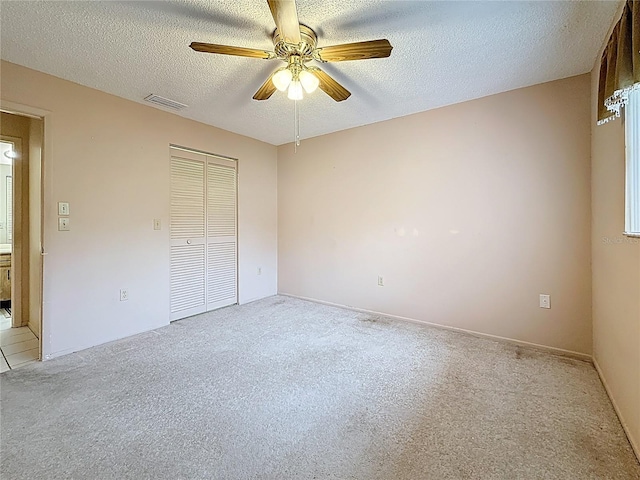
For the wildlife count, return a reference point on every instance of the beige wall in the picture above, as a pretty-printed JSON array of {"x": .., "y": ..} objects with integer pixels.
[
  {"x": 469, "y": 212},
  {"x": 616, "y": 274},
  {"x": 109, "y": 158}
]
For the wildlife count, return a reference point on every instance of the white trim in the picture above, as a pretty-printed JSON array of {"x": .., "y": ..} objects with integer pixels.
[
  {"x": 554, "y": 350},
  {"x": 632, "y": 154},
  {"x": 68, "y": 351},
  {"x": 24, "y": 110},
  {"x": 46, "y": 116},
  {"x": 634, "y": 446},
  {"x": 616, "y": 102},
  {"x": 255, "y": 299},
  {"x": 201, "y": 152}
]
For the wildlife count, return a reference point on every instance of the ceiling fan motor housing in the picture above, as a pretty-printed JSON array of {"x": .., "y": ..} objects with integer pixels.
[{"x": 303, "y": 50}]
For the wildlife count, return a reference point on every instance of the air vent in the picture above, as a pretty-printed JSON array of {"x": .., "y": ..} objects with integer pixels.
[{"x": 165, "y": 102}]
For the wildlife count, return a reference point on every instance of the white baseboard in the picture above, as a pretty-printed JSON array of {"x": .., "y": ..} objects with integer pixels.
[
  {"x": 625, "y": 427},
  {"x": 555, "y": 350},
  {"x": 255, "y": 299},
  {"x": 46, "y": 355}
]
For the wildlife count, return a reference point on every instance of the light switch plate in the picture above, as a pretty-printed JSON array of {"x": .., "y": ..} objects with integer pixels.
[
  {"x": 157, "y": 224},
  {"x": 63, "y": 208},
  {"x": 63, "y": 224}
]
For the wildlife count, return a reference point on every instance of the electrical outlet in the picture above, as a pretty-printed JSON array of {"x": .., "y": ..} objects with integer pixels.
[
  {"x": 259, "y": 270},
  {"x": 545, "y": 301},
  {"x": 124, "y": 295},
  {"x": 380, "y": 281}
]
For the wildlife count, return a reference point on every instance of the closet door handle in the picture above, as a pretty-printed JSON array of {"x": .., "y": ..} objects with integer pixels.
[{"x": 188, "y": 242}]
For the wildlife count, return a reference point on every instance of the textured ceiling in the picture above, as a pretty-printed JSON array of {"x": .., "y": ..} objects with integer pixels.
[{"x": 444, "y": 52}]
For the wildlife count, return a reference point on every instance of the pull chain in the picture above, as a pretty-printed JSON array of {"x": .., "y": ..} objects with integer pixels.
[{"x": 296, "y": 126}]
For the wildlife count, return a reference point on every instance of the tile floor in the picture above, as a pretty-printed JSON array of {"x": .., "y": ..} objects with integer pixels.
[{"x": 18, "y": 346}]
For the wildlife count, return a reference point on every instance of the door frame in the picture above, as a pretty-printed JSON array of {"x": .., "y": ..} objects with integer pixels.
[{"x": 46, "y": 117}]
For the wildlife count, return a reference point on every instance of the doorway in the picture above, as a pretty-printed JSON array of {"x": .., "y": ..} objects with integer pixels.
[
  {"x": 21, "y": 139},
  {"x": 203, "y": 230}
]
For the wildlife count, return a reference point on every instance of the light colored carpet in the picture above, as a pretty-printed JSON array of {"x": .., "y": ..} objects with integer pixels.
[{"x": 286, "y": 389}]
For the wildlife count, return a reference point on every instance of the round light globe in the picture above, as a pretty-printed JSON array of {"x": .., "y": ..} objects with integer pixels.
[
  {"x": 309, "y": 81},
  {"x": 281, "y": 79},
  {"x": 295, "y": 91}
]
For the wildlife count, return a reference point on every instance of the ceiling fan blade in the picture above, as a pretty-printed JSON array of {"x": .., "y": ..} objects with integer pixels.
[
  {"x": 286, "y": 17},
  {"x": 228, "y": 50},
  {"x": 266, "y": 90},
  {"x": 354, "y": 51},
  {"x": 329, "y": 86}
]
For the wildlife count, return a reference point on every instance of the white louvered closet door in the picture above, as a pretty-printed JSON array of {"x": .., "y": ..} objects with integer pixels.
[
  {"x": 187, "y": 231},
  {"x": 203, "y": 233},
  {"x": 221, "y": 235}
]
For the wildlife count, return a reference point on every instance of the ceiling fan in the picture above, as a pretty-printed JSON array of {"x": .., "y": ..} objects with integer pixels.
[{"x": 295, "y": 44}]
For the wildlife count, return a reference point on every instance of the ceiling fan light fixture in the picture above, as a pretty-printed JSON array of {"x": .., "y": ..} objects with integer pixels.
[
  {"x": 282, "y": 79},
  {"x": 295, "y": 90},
  {"x": 309, "y": 81},
  {"x": 296, "y": 45}
]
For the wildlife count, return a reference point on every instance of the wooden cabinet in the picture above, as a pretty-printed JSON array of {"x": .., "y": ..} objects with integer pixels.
[{"x": 5, "y": 277}]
